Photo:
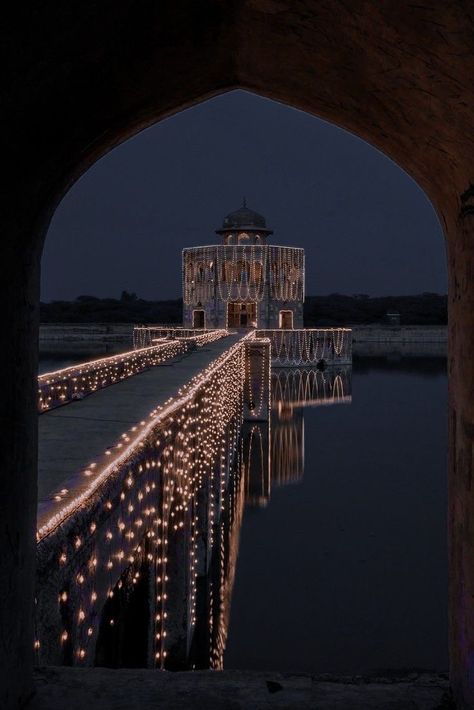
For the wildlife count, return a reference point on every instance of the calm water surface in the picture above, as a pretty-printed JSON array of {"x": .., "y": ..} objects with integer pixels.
[
  {"x": 342, "y": 562},
  {"x": 345, "y": 570},
  {"x": 58, "y": 356}
]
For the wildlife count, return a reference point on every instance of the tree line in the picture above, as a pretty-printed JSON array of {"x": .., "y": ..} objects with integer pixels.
[{"x": 333, "y": 309}]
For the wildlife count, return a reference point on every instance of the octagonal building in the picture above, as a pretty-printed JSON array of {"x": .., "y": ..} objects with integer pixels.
[{"x": 243, "y": 282}]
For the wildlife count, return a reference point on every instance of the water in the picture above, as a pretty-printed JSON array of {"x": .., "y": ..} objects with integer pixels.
[
  {"x": 341, "y": 565},
  {"x": 56, "y": 356},
  {"x": 346, "y": 569}
]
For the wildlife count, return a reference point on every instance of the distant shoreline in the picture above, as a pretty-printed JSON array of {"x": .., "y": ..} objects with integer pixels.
[
  {"x": 380, "y": 333},
  {"x": 332, "y": 310},
  {"x": 121, "y": 333}
]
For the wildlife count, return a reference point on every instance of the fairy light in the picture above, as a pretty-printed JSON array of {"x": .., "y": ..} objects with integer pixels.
[
  {"x": 145, "y": 336},
  {"x": 258, "y": 383},
  {"x": 305, "y": 387},
  {"x": 286, "y": 273},
  {"x": 177, "y": 483},
  {"x": 147, "y": 489},
  {"x": 309, "y": 346},
  {"x": 75, "y": 382},
  {"x": 241, "y": 272}
]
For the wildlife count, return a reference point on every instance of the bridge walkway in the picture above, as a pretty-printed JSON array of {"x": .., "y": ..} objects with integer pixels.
[{"x": 73, "y": 436}]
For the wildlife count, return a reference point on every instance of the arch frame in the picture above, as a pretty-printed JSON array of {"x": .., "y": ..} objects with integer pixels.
[{"x": 399, "y": 75}]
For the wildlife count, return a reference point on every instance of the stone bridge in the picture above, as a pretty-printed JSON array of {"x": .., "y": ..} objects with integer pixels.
[
  {"x": 81, "y": 78},
  {"x": 147, "y": 514},
  {"x": 147, "y": 460}
]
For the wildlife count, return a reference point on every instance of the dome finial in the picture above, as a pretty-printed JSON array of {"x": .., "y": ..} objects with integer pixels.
[{"x": 244, "y": 202}]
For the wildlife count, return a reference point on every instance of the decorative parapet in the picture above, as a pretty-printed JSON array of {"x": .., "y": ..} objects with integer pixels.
[
  {"x": 146, "y": 336},
  {"x": 78, "y": 381},
  {"x": 309, "y": 346}
]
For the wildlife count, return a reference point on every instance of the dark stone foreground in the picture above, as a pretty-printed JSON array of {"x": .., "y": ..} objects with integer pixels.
[{"x": 132, "y": 689}]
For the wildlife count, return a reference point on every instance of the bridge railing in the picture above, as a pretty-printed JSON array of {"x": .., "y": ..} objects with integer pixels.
[
  {"x": 145, "y": 336},
  {"x": 309, "y": 346},
  {"x": 77, "y": 381}
]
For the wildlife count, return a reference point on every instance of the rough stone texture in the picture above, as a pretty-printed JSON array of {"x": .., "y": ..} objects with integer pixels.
[
  {"x": 405, "y": 334},
  {"x": 81, "y": 77},
  {"x": 104, "y": 689}
]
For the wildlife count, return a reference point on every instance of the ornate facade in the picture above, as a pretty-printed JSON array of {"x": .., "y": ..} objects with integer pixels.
[{"x": 244, "y": 282}]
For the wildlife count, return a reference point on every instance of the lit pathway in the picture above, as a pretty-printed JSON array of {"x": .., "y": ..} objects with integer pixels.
[{"x": 73, "y": 436}]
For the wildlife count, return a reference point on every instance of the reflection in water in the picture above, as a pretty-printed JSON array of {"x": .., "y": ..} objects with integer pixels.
[
  {"x": 310, "y": 387},
  {"x": 346, "y": 571},
  {"x": 291, "y": 391},
  {"x": 275, "y": 452},
  {"x": 149, "y": 584}
]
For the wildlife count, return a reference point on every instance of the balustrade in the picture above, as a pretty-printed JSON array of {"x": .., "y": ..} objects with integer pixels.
[{"x": 309, "y": 346}]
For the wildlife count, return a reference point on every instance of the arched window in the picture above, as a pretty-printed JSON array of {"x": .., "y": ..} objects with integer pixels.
[{"x": 243, "y": 238}]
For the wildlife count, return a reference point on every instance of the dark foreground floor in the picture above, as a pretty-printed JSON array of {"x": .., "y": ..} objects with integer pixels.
[{"x": 130, "y": 689}]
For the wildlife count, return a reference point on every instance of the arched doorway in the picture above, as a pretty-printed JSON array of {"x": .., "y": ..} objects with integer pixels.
[
  {"x": 390, "y": 74},
  {"x": 199, "y": 318},
  {"x": 286, "y": 320}
]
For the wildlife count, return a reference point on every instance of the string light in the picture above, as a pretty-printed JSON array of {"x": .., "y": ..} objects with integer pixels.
[
  {"x": 174, "y": 484},
  {"x": 258, "y": 378},
  {"x": 152, "y": 484},
  {"x": 145, "y": 336},
  {"x": 309, "y": 346},
  {"x": 75, "y": 382},
  {"x": 305, "y": 387},
  {"x": 241, "y": 272},
  {"x": 218, "y": 276}
]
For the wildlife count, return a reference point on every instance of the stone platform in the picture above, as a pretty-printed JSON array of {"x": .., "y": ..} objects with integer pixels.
[{"x": 130, "y": 689}]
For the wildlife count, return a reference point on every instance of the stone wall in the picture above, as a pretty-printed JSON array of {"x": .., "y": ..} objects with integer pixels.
[{"x": 404, "y": 334}]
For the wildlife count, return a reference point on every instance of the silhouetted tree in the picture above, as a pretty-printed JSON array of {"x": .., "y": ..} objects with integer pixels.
[{"x": 127, "y": 297}]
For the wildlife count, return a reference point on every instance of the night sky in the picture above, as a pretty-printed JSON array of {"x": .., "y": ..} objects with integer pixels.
[{"x": 365, "y": 225}]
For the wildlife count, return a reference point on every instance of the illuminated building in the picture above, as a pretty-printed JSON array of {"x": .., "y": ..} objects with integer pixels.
[{"x": 245, "y": 282}]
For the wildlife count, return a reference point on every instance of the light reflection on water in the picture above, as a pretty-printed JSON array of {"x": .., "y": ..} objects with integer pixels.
[{"x": 345, "y": 570}]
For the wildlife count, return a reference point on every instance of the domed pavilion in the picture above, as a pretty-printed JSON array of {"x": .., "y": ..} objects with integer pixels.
[{"x": 243, "y": 282}]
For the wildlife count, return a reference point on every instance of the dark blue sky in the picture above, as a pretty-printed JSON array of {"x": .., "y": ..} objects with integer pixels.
[{"x": 365, "y": 225}]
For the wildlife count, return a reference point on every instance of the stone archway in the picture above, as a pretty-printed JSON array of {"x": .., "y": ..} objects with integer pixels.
[{"x": 82, "y": 78}]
